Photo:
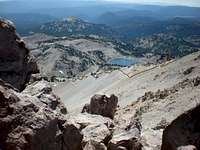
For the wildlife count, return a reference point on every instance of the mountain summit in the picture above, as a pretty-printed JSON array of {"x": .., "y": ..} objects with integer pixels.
[{"x": 72, "y": 19}]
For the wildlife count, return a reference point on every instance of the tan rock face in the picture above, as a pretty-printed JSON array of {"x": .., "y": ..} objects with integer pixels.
[
  {"x": 16, "y": 65},
  {"x": 183, "y": 131}
]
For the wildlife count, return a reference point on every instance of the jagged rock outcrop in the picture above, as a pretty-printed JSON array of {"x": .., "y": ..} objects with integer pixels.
[
  {"x": 29, "y": 122},
  {"x": 102, "y": 105},
  {"x": 26, "y": 122},
  {"x": 16, "y": 64},
  {"x": 102, "y": 133},
  {"x": 184, "y": 132},
  {"x": 43, "y": 91},
  {"x": 125, "y": 133}
]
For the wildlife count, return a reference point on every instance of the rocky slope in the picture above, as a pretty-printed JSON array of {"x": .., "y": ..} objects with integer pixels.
[
  {"x": 36, "y": 119},
  {"x": 154, "y": 96},
  {"x": 161, "y": 108},
  {"x": 129, "y": 83},
  {"x": 156, "y": 110}
]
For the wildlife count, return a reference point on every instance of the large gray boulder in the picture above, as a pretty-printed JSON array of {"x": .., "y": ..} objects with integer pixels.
[
  {"x": 96, "y": 130},
  {"x": 102, "y": 105},
  {"x": 16, "y": 64},
  {"x": 184, "y": 132}
]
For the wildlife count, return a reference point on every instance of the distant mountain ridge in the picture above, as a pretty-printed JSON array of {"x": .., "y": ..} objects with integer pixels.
[
  {"x": 121, "y": 27},
  {"x": 129, "y": 20}
]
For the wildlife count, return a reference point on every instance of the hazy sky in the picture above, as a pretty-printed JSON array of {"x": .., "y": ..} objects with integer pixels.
[
  {"x": 170, "y": 2},
  {"x": 166, "y": 2}
]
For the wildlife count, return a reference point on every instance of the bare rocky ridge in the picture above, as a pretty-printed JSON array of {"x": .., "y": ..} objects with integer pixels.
[{"x": 16, "y": 64}]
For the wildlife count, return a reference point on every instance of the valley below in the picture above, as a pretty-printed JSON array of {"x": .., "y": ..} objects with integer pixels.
[{"x": 74, "y": 57}]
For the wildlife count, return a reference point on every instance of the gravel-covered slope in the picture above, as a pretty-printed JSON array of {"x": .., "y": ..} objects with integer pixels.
[{"x": 129, "y": 88}]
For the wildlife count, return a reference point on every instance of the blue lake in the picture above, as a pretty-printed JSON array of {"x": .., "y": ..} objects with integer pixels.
[{"x": 125, "y": 61}]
